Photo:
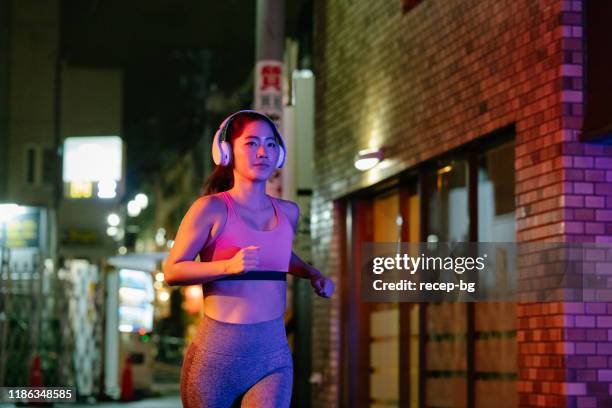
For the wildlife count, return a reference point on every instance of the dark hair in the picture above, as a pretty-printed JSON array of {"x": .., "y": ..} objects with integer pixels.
[{"x": 222, "y": 177}]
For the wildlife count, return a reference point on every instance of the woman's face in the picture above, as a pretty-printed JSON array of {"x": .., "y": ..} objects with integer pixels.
[{"x": 255, "y": 151}]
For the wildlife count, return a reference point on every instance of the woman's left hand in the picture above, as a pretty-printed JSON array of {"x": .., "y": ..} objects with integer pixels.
[{"x": 323, "y": 286}]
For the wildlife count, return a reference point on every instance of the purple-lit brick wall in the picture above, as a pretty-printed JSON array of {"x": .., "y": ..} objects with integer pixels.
[{"x": 431, "y": 79}]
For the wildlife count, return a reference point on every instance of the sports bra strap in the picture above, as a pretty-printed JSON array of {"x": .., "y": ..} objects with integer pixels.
[
  {"x": 276, "y": 208},
  {"x": 256, "y": 275},
  {"x": 228, "y": 202}
]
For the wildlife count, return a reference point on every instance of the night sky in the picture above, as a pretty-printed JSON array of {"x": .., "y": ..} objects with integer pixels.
[
  {"x": 173, "y": 54},
  {"x": 128, "y": 33}
]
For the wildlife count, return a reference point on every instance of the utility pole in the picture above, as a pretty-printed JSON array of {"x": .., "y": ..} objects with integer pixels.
[{"x": 268, "y": 92}]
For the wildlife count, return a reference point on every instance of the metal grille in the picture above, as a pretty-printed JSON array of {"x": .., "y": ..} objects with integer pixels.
[{"x": 33, "y": 319}]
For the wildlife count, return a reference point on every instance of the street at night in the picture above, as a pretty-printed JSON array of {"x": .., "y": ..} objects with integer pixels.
[{"x": 306, "y": 203}]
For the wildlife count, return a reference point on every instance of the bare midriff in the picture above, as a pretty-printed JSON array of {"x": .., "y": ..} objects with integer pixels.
[{"x": 245, "y": 301}]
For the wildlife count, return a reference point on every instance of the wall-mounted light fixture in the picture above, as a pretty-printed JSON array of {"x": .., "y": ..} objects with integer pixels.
[{"x": 368, "y": 158}]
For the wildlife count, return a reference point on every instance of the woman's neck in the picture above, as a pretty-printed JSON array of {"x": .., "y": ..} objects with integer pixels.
[{"x": 251, "y": 195}]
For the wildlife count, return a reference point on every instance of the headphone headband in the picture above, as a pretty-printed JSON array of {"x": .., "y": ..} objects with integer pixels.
[{"x": 225, "y": 125}]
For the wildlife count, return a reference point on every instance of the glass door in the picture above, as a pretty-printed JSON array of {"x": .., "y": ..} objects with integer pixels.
[
  {"x": 495, "y": 347},
  {"x": 384, "y": 317},
  {"x": 410, "y": 313},
  {"x": 447, "y": 189},
  {"x": 393, "y": 341}
]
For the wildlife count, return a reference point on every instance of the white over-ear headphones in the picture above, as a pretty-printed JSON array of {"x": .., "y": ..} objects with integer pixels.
[{"x": 222, "y": 149}]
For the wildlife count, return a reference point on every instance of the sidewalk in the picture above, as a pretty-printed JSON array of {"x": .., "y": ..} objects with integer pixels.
[
  {"x": 166, "y": 387},
  {"x": 166, "y": 401}
]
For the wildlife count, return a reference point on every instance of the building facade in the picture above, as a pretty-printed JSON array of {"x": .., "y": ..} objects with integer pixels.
[
  {"x": 50, "y": 305},
  {"x": 479, "y": 109}
]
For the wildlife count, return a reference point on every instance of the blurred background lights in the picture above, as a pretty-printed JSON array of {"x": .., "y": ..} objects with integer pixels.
[
  {"x": 120, "y": 234},
  {"x": 142, "y": 200},
  {"x": 139, "y": 203},
  {"x": 10, "y": 211},
  {"x": 163, "y": 296},
  {"x": 113, "y": 220},
  {"x": 160, "y": 237},
  {"x": 107, "y": 189},
  {"x": 133, "y": 208},
  {"x": 126, "y": 328}
]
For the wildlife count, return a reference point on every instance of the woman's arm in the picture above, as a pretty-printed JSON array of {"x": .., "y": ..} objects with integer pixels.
[
  {"x": 302, "y": 269},
  {"x": 322, "y": 285},
  {"x": 180, "y": 268}
]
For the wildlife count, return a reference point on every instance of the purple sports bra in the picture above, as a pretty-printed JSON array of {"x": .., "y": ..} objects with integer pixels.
[{"x": 274, "y": 245}]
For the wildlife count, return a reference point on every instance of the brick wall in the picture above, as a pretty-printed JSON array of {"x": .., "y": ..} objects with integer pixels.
[{"x": 446, "y": 72}]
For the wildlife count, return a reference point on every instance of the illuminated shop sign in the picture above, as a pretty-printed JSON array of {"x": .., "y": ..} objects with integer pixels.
[
  {"x": 19, "y": 226},
  {"x": 92, "y": 167}
]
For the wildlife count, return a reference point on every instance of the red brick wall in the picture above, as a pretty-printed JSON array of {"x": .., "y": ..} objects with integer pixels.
[{"x": 445, "y": 73}]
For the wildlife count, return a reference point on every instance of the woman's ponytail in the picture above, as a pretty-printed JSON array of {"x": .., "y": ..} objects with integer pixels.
[{"x": 221, "y": 179}]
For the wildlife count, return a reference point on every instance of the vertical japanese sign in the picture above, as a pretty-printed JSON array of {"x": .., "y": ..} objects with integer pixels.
[{"x": 269, "y": 100}]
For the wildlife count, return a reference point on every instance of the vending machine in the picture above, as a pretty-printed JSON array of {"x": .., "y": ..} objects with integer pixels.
[{"x": 129, "y": 322}]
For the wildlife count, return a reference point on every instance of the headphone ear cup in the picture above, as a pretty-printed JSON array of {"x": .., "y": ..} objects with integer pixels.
[
  {"x": 216, "y": 150},
  {"x": 226, "y": 153},
  {"x": 221, "y": 152},
  {"x": 281, "y": 157}
]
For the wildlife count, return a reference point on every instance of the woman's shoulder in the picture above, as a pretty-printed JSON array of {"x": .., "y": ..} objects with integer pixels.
[
  {"x": 211, "y": 204},
  {"x": 291, "y": 210},
  {"x": 209, "y": 201}
]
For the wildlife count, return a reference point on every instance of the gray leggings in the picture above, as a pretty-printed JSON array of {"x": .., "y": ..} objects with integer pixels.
[{"x": 238, "y": 365}]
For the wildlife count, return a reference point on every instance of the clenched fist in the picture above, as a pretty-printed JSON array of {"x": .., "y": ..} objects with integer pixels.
[
  {"x": 323, "y": 286},
  {"x": 244, "y": 260}
]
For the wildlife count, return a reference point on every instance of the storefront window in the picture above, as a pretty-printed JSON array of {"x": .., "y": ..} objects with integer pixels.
[
  {"x": 384, "y": 317},
  {"x": 495, "y": 348},
  {"x": 448, "y": 202},
  {"x": 445, "y": 323},
  {"x": 496, "y": 195}
]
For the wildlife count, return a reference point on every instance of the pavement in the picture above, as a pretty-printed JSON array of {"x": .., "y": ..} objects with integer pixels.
[
  {"x": 167, "y": 401},
  {"x": 164, "y": 390}
]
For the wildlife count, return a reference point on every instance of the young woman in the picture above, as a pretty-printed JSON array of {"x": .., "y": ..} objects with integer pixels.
[{"x": 240, "y": 356}]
